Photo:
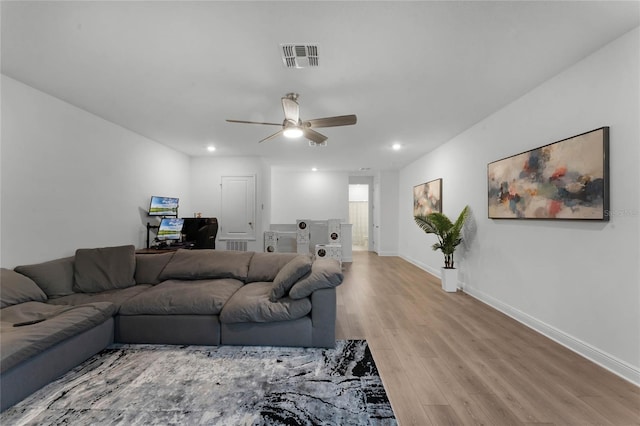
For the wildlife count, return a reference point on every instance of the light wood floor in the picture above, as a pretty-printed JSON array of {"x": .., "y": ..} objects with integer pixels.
[{"x": 448, "y": 359}]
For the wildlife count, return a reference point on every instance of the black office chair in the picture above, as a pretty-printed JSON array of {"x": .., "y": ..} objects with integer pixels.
[{"x": 206, "y": 238}]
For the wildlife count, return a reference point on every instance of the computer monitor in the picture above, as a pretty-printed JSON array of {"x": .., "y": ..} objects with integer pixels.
[
  {"x": 163, "y": 206},
  {"x": 170, "y": 229}
]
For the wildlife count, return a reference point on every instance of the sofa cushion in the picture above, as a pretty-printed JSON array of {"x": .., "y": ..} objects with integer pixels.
[
  {"x": 149, "y": 267},
  {"x": 180, "y": 297},
  {"x": 325, "y": 273},
  {"x": 265, "y": 266},
  {"x": 16, "y": 288},
  {"x": 105, "y": 268},
  {"x": 251, "y": 304},
  {"x": 117, "y": 296},
  {"x": 54, "y": 277},
  {"x": 295, "y": 269},
  {"x": 18, "y": 344},
  {"x": 207, "y": 264}
]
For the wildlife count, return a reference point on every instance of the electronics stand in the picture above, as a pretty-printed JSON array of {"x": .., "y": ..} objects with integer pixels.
[
  {"x": 197, "y": 232},
  {"x": 149, "y": 228},
  {"x": 160, "y": 207}
]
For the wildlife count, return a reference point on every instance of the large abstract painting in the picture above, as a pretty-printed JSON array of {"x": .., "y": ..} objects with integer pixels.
[
  {"x": 568, "y": 179},
  {"x": 427, "y": 198}
]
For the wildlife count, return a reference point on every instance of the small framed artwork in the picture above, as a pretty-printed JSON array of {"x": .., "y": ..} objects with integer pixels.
[
  {"x": 568, "y": 179},
  {"x": 427, "y": 198}
]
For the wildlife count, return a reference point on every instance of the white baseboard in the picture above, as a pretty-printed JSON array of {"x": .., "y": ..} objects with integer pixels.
[
  {"x": 433, "y": 271},
  {"x": 616, "y": 366}
]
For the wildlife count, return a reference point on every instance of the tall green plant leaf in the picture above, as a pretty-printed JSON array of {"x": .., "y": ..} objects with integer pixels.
[
  {"x": 462, "y": 217},
  {"x": 425, "y": 224},
  {"x": 440, "y": 222},
  {"x": 447, "y": 232}
]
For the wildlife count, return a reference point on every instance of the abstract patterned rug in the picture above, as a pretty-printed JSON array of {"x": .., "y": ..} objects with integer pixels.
[{"x": 226, "y": 385}]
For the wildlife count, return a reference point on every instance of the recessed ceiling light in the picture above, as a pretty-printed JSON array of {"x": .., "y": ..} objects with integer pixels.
[
  {"x": 315, "y": 169},
  {"x": 211, "y": 148},
  {"x": 396, "y": 146}
]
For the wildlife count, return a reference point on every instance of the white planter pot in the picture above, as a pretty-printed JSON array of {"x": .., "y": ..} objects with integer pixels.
[{"x": 449, "y": 278}]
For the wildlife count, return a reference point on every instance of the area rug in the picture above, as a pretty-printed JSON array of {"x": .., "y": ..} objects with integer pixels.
[{"x": 226, "y": 385}]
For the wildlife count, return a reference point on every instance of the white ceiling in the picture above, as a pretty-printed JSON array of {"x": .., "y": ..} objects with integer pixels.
[{"x": 418, "y": 73}]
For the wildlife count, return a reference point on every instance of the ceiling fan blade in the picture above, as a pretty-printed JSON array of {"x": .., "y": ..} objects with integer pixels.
[
  {"x": 276, "y": 134},
  {"x": 313, "y": 136},
  {"x": 254, "y": 122},
  {"x": 340, "y": 120},
  {"x": 291, "y": 110}
]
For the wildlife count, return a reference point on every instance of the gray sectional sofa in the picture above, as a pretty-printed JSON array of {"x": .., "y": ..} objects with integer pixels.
[{"x": 56, "y": 314}]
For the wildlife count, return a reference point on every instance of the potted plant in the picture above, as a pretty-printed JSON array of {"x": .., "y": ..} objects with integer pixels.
[{"x": 449, "y": 237}]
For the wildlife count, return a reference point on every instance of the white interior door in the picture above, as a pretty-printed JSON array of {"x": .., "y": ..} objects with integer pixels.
[{"x": 238, "y": 208}]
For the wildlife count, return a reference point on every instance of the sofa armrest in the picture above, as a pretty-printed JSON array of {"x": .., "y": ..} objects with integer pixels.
[{"x": 323, "y": 318}]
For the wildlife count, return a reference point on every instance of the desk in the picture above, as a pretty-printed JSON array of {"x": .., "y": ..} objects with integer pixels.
[{"x": 156, "y": 251}]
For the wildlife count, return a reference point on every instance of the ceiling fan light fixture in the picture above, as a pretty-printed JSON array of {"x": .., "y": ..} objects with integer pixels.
[
  {"x": 292, "y": 132},
  {"x": 294, "y": 127},
  {"x": 291, "y": 129}
]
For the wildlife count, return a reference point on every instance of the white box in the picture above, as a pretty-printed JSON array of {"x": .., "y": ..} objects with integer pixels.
[
  {"x": 270, "y": 241},
  {"x": 303, "y": 232},
  {"x": 335, "y": 231},
  {"x": 302, "y": 248},
  {"x": 331, "y": 251}
]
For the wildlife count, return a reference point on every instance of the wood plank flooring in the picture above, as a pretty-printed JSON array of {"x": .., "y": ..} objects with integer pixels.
[{"x": 448, "y": 359}]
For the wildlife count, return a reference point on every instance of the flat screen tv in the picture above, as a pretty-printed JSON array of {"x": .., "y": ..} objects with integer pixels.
[
  {"x": 170, "y": 229},
  {"x": 163, "y": 206}
]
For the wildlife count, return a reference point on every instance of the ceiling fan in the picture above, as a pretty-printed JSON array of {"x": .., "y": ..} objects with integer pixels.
[{"x": 293, "y": 126}]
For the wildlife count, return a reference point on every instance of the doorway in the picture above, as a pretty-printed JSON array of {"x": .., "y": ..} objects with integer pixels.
[{"x": 359, "y": 215}]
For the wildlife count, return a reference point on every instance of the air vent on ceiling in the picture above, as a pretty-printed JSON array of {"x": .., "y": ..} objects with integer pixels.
[{"x": 299, "y": 55}]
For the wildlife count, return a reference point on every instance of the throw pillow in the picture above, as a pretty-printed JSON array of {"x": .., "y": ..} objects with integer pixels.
[
  {"x": 106, "y": 268},
  {"x": 207, "y": 264},
  {"x": 265, "y": 266},
  {"x": 295, "y": 269},
  {"x": 54, "y": 277},
  {"x": 17, "y": 288},
  {"x": 325, "y": 273},
  {"x": 150, "y": 266}
]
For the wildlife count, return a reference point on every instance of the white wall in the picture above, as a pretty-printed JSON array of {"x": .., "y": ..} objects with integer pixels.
[
  {"x": 308, "y": 195},
  {"x": 578, "y": 282},
  {"x": 265, "y": 206},
  {"x": 71, "y": 179},
  {"x": 205, "y": 179},
  {"x": 388, "y": 213}
]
